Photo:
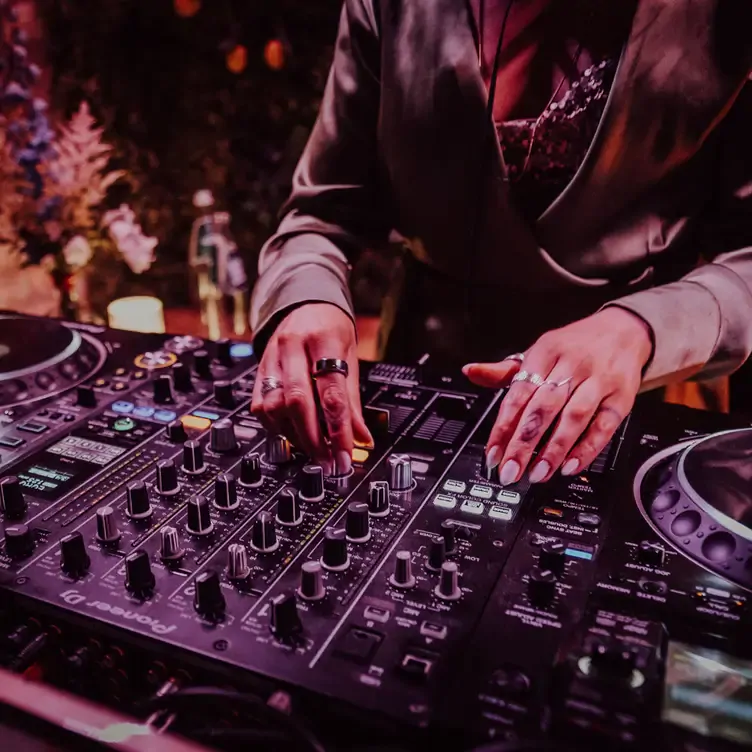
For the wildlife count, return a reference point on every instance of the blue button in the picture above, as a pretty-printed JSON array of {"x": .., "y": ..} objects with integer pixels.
[
  {"x": 143, "y": 412},
  {"x": 165, "y": 416},
  {"x": 206, "y": 414},
  {"x": 577, "y": 554},
  {"x": 241, "y": 350},
  {"x": 122, "y": 407}
]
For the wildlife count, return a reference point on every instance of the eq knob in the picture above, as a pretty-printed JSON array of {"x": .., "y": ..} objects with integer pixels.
[
  {"x": 199, "y": 520},
  {"x": 202, "y": 365},
  {"x": 226, "y": 492},
  {"x": 167, "y": 478},
  {"x": 541, "y": 586},
  {"x": 19, "y": 542},
  {"x": 182, "y": 378},
  {"x": 264, "y": 534},
  {"x": 170, "y": 549},
  {"x": 237, "y": 562},
  {"x": 357, "y": 523},
  {"x": 378, "y": 498},
  {"x": 222, "y": 437},
  {"x": 12, "y": 500},
  {"x": 74, "y": 558},
  {"x": 224, "y": 394},
  {"x": 175, "y": 432},
  {"x": 86, "y": 396},
  {"x": 651, "y": 554},
  {"x": 193, "y": 458},
  {"x": 436, "y": 554},
  {"x": 250, "y": 471},
  {"x": 139, "y": 579},
  {"x": 285, "y": 619},
  {"x": 401, "y": 471},
  {"x": 449, "y": 534},
  {"x": 138, "y": 506},
  {"x": 107, "y": 528},
  {"x": 288, "y": 508},
  {"x": 448, "y": 588},
  {"x": 311, "y": 582},
  {"x": 208, "y": 599},
  {"x": 224, "y": 353},
  {"x": 162, "y": 390},
  {"x": 403, "y": 576},
  {"x": 335, "y": 555},
  {"x": 278, "y": 450},
  {"x": 312, "y": 483},
  {"x": 552, "y": 556}
]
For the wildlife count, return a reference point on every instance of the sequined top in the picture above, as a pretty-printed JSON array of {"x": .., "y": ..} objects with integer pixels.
[{"x": 560, "y": 139}]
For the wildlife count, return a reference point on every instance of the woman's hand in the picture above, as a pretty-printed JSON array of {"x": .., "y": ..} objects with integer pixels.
[
  {"x": 592, "y": 369},
  {"x": 307, "y": 334}
]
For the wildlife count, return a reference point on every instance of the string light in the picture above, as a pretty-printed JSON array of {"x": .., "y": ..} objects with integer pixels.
[
  {"x": 274, "y": 54},
  {"x": 237, "y": 59},
  {"x": 187, "y": 8}
]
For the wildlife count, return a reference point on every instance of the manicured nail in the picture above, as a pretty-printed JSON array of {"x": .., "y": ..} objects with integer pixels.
[
  {"x": 343, "y": 463},
  {"x": 540, "y": 471},
  {"x": 493, "y": 457},
  {"x": 570, "y": 467},
  {"x": 509, "y": 472}
]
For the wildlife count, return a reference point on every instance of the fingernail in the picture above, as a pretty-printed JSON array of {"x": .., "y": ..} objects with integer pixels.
[
  {"x": 509, "y": 472},
  {"x": 540, "y": 471},
  {"x": 493, "y": 456},
  {"x": 327, "y": 467},
  {"x": 570, "y": 467},
  {"x": 343, "y": 463}
]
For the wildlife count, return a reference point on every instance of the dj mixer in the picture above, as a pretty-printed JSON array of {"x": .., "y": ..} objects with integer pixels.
[{"x": 162, "y": 553}]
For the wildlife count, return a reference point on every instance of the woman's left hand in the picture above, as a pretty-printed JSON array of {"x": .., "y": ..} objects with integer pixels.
[{"x": 592, "y": 371}]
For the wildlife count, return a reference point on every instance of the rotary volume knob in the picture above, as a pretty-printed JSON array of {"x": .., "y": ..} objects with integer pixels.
[
  {"x": 541, "y": 586},
  {"x": 167, "y": 478},
  {"x": 107, "y": 528},
  {"x": 278, "y": 450},
  {"x": 224, "y": 394},
  {"x": 139, "y": 579},
  {"x": 19, "y": 542},
  {"x": 403, "y": 576},
  {"x": 170, "y": 549},
  {"x": 138, "y": 505},
  {"x": 288, "y": 508},
  {"x": 224, "y": 352},
  {"x": 335, "y": 556},
  {"x": 378, "y": 498},
  {"x": 202, "y": 365},
  {"x": 311, "y": 582},
  {"x": 312, "y": 483},
  {"x": 193, "y": 458},
  {"x": 436, "y": 554},
  {"x": 264, "y": 534},
  {"x": 250, "y": 471},
  {"x": 449, "y": 534},
  {"x": 181, "y": 378},
  {"x": 12, "y": 499},
  {"x": 357, "y": 524},
  {"x": 199, "y": 516},
  {"x": 226, "y": 492},
  {"x": 222, "y": 437},
  {"x": 401, "y": 470},
  {"x": 208, "y": 599},
  {"x": 162, "y": 390},
  {"x": 552, "y": 556},
  {"x": 651, "y": 554},
  {"x": 175, "y": 432},
  {"x": 285, "y": 619},
  {"x": 237, "y": 562},
  {"x": 448, "y": 588},
  {"x": 74, "y": 558}
]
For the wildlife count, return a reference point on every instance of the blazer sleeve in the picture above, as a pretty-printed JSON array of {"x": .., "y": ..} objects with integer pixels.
[
  {"x": 702, "y": 324},
  {"x": 337, "y": 205}
]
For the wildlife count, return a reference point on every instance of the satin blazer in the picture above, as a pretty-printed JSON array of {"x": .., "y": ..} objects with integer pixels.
[{"x": 667, "y": 182}]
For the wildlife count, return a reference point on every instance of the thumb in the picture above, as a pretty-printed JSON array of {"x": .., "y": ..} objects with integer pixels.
[{"x": 492, "y": 375}]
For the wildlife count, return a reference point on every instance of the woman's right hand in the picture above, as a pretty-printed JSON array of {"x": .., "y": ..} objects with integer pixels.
[{"x": 307, "y": 334}]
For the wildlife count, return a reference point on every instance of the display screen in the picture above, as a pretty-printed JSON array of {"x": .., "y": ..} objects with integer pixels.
[{"x": 708, "y": 692}]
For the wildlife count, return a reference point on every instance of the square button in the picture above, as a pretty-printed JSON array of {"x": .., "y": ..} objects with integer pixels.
[
  {"x": 481, "y": 492},
  {"x": 32, "y": 427},
  {"x": 500, "y": 513},
  {"x": 144, "y": 412},
  {"x": 455, "y": 486},
  {"x": 508, "y": 497},
  {"x": 444, "y": 501},
  {"x": 359, "y": 645},
  {"x": 473, "y": 507},
  {"x": 11, "y": 441}
]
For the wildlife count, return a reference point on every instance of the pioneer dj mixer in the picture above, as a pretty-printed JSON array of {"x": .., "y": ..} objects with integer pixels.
[{"x": 155, "y": 540}]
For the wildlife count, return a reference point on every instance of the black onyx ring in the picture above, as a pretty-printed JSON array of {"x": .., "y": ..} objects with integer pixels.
[{"x": 330, "y": 365}]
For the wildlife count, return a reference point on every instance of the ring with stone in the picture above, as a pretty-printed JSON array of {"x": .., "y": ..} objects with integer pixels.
[{"x": 270, "y": 384}]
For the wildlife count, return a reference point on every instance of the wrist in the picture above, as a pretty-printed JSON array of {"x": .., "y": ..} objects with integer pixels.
[{"x": 636, "y": 332}]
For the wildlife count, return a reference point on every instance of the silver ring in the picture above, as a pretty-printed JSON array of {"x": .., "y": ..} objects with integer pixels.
[
  {"x": 519, "y": 357},
  {"x": 270, "y": 384},
  {"x": 531, "y": 378},
  {"x": 557, "y": 384},
  {"x": 330, "y": 365}
]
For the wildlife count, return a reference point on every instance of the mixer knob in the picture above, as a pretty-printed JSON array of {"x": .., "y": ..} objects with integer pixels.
[
  {"x": 181, "y": 378},
  {"x": 651, "y": 554},
  {"x": 312, "y": 483},
  {"x": 311, "y": 582},
  {"x": 162, "y": 390},
  {"x": 250, "y": 471},
  {"x": 541, "y": 586},
  {"x": 74, "y": 558},
  {"x": 278, "y": 450},
  {"x": 167, "y": 478},
  {"x": 285, "y": 619},
  {"x": 335, "y": 555},
  {"x": 357, "y": 523},
  {"x": 193, "y": 458},
  {"x": 224, "y": 353},
  {"x": 436, "y": 554},
  {"x": 169, "y": 544},
  {"x": 614, "y": 661},
  {"x": 264, "y": 534},
  {"x": 176, "y": 432},
  {"x": 107, "y": 529},
  {"x": 378, "y": 498},
  {"x": 226, "y": 492},
  {"x": 224, "y": 394},
  {"x": 449, "y": 534},
  {"x": 401, "y": 472},
  {"x": 139, "y": 579},
  {"x": 403, "y": 571},
  {"x": 223, "y": 439},
  {"x": 288, "y": 508},
  {"x": 199, "y": 516},
  {"x": 552, "y": 556},
  {"x": 237, "y": 562},
  {"x": 202, "y": 365},
  {"x": 448, "y": 588},
  {"x": 208, "y": 599},
  {"x": 19, "y": 542},
  {"x": 86, "y": 396},
  {"x": 12, "y": 500},
  {"x": 138, "y": 506}
]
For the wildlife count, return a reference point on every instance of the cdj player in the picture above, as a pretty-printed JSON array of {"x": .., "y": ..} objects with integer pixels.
[{"x": 163, "y": 555}]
